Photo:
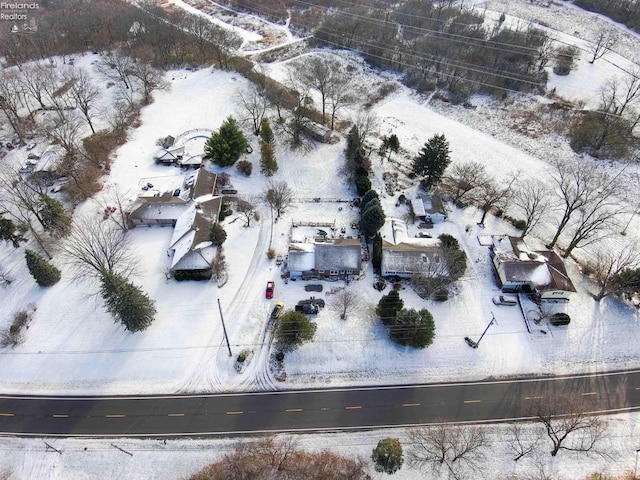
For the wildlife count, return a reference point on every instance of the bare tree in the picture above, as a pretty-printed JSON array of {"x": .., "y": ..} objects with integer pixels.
[
  {"x": 296, "y": 125},
  {"x": 568, "y": 424},
  {"x": 150, "y": 79},
  {"x": 339, "y": 95},
  {"x": 5, "y": 277},
  {"x": 462, "y": 179},
  {"x": 606, "y": 38},
  {"x": 33, "y": 77},
  {"x": 533, "y": 198},
  {"x": 345, "y": 302},
  {"x": 84, "y": 92},
  {"x": 367, "y": 122},
  {"x": 607, "y": 263},
  {"x": 523, "y": 440},
  {"x": 98, "y": 248},
  {"x": 11, "y": 91},
  {"x": 118, "y": 116},
  {"x": 444, "y": 448},
  {"x": 279, "y": 196},
  {"x": 433, "y": 276},
  {"x": 493, "y": 195},
  {"x": 114, "y": 207},
  {"x": 66, "y": 133},
  {"x": 254, "y": 105},
  {"x": 247, "y": 207},
  {"x": 116, "y": 66},
  {"x": 578, "y": 184}
]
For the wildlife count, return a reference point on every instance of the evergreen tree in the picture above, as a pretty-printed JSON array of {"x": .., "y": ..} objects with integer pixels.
[
  {"x": 266, "y": 134},
  {"x": 371, "y": 220},
  {"x": 53, "y": 216},
  {"x": 627, "y": 282},
  {"x": 294, "y": 328},
  {"x": 370, "y": 194},
  {"x": 432, "y": 161},
  {"x": 376, "y": 257},
  {"x": 127, "y": 302},
  {"x": 9, "y": 232},
  {"x": 387, "y": 456},
  {"x": 412, "y": 328},
  {"x": 227, "y": 144},
  {"x": 42, "y": 271},
  {"x": 363, "y": 184},
  {"x": 268, "y": 164},
  {"x": 390, "y": 144},
  {"x": 389, "y": 306},
  {"x": 217, "y": 234}
]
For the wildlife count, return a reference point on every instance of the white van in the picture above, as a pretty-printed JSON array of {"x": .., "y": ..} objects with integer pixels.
[{"x": 505, "y": 300}]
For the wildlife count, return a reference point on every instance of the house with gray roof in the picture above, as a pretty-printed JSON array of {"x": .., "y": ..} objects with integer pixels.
[
  {"x": 519, "y": 268},
  {"x": 191, "y": 214},
  {"x": 328, "y": 258}
]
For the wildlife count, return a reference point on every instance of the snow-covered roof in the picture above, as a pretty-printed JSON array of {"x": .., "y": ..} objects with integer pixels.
[
  {"x": 200, "y": 259},
  {"x": 340, "y": 254},
  {"x": 161, "y": 208},
  {"x": 408, "y": 259},
  {"x": 302, "y": 257},
  {"x": 543, "y": 268},
  {"x": 47, "y": 161},
  {"x": 418, "y": 207},
  {"x": 191, "y": 161},
  {"x": 396, "y": 231}
]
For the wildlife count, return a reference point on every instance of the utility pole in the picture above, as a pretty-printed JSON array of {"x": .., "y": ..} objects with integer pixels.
[
  {"x": 224, "y": 328},
  {"x": 473, "y": 344}
]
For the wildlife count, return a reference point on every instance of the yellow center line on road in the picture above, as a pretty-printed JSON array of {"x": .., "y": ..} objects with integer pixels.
[
  {"x": 6, "y": 414},
  {"x": 60, "y": 415},
  {"x": 356, "y": 407},
  {"x": 472, "y": 401},
  {"x": 235, "y": 413},
  {"x": 410, "y": 404},
  {"x": 588, "y": 393},
  {"x": 115, "y": 415},
  {"x": 533, "y": 398},
  {"x": 175, "y": 414},
  {"x": 293, "y": 410}
]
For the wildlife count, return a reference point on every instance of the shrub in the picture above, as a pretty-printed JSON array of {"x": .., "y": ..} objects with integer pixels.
[
  {"x": 387, "y": 456},
  {"x": 271, "y": 253},
  {"x": 225, "y": 211},
  {"x": 293, "y": 329},
  {"x": 280, "y": 356},
  {"x": 242, "y": 357},
  {"x": 245, "y": 167},
  {"x": 389, "y": 306},
  {"x": 217, "y": 234},
  {"x": 13, "y": 335},
  {"x": 223, "y": 180}
]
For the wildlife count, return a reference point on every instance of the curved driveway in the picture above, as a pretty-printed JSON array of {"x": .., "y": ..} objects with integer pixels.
[{"x": 308, "y": 410}]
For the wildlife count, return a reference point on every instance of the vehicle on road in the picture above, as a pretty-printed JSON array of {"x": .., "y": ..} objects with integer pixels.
[
  {"x": 277, "y": 310},
  {"x": 509, "y": 300},
  {"x": 269, "y": 291}
]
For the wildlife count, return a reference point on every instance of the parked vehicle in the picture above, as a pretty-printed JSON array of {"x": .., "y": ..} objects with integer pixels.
[
  {"x": 509, "y": 300},
  {"x": 307, "y": 308},
  {"x": 269, "y": 291},
  {"x": 558, "y": 319},
  {"x": 279, "y": 259},
  {"x": 277, "y": 310}
]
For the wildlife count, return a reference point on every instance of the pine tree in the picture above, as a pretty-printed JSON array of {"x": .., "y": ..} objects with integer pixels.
[
  {"x": 268, "y": 164},
  {"x": 9, "y": 233},
  {"x": 53, "y": 216},
  {"x": 266, "y": 134},
  {"x": 389, "y": 306},
  {"x": 363, "y": 184},
  {"x": 225, "y": 146},
  {"x": 293, "y": 329},
  {"x": 371, "y": 220},
  {"x": 412, "y": 328},
  {"x": 127, "y": 302},
  {"x": 370, "y": 194},
  {"x": 42, "y": 271},
  {"x": 432, "y": 161},
  {"x": 376, "y": 257}
]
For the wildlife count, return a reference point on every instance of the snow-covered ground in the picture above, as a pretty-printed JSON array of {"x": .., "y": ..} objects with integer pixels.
[{"x": 73, "y": 346}]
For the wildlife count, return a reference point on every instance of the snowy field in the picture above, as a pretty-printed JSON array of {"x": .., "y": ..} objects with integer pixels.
[{"x": 72, "y": 345}]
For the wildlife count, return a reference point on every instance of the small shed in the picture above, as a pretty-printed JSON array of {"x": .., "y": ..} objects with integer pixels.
[
  {"x": 417, "y": 207},
  {"x": 168, "y": 142},
  {"x": 435, "y": 210}
]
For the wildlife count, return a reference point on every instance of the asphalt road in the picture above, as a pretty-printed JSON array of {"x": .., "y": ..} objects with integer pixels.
[{"x": 309, "y": 410}]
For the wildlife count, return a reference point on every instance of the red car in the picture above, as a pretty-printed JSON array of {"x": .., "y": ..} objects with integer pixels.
[{"x": 269, "y": 292}]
